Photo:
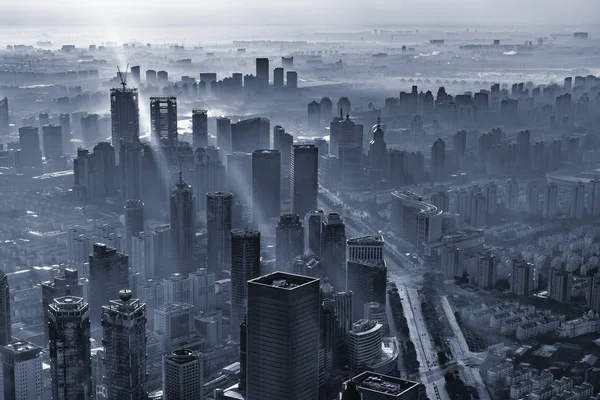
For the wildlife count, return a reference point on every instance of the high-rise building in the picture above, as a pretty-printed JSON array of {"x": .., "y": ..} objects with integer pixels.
[
  {"x": 200, "y": 128},
  {"x": 333, "y": 250},
  {"x": 326, "y": 107},
  {"x": 314, "y": 114},
  {"x": 262, "y": 73},
  {"x": 202, "y": 290},
  {"x": 109, "y": 273},
  {"x": 278, "y": 78},
  {"x": 134, "y": 221},
  {"x": 532, "y": 197},
  {"x": 21, "y": 371},
  {"x": 487, "y": 274},
  {"x": 522, "y": 278},
  {"x": 524, "y": 150},
  {"x": 52, "y": 141},
  {"x": 374, "y": 386},
  {"x": 182, "y": 375},
  {"x": 4, "y": 122},
  {"x": 304, "y": 178},
  {"x": 124, "y": 340},
  {"x": 70, "y": 349},
  {"x": 218, "y": 230},
  {"x": 29, "y": 143},
  {"x": 103, "y": 182},
  {"x": 177, "y": 289},
  {"x": 416, "y": 221},
  {"x": 183, "y": 221},
  {"x": 559, "y": 285},
  {"x": 512, "y": 195},
  {"x": 289, "y": 240},
  {"x": 578, "y": 201},
  {"x": 344, "y": 105},
  {"x": 291, "y": 79},
  {"x": 251, "y": 134},
  {"x": 550, "y": 201},
  {"x": 366, "y": 272},
  {"x": 135, "y": 74},
  {"x": 163, "y": 120},
  {"x": 5, "y": 312},
  {"x": 58, "y": 287},
  {"x": 224, "y": 134},
  {"x": 266, "y": 184},
  {"x": 125, "y": 117},
  {"x": 350, "y": 166},
  {"x": 208, "y": 176},
  {"x": 239, "y": 178},
  {"x": 378, "y": 153},
  {"x": 364, "y": 345},
  {"x": 90, "y": 129},
  {"x": 313, "y": 223},
  {"x": 143, "y": 255},
  {"x": 438, "y": 159},
  {"x": 245, "y": 265},
  {"x": 283, "y": 337}
]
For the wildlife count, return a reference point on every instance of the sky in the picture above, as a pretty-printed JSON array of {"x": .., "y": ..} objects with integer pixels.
[{"x": 32, "y": 13}]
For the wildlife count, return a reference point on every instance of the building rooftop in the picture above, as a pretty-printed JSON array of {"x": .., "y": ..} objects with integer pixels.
[
  {"x": 377, "y": 383},
  {"x": 21, "y": 350},
  {"x": 283, "y": 280},
  {"x": 372, "y": 240}
]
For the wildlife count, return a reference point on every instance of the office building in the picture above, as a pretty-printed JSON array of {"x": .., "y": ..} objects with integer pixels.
[
  {"x": 90, "y": 129},
  {"x": 21, "y": 371},
  {"x": 58, "y": 287},
  {"x": 364, "y": 344},
  {"x": 202, "y": 290},
  {"x": 52, "y": 141},
  {"x": 109, "y": 273},
  {"x": 314, "y": 115},
  {"x": 4, "y": 122},
  {"x": 163, "y": 120},
  {"x": 522, "y": 279},
  {"x": 219, "y": 207},
  {"x": 29, "y": 144},
  {"x": 135, "y": 74},
  {"x": 266, "y": 184},
  {"x": 239, "y": 178},
  {"x": 177, "y": 289},
  {"x": 245, "y": 265},
  {"x": 417, "y": 222},
  {"x": 182, "y": 375},
  {"x": 174, "y": 324},
  {"x": 304, "y": 178},
  {"x": 313, "y": 223},
  {"x": 251, "y": 134},
  {"x": 289, "y": 237},
  {"x": 124, "y": 340},
  {"x": 131, "y": 156},
  {"x": 350, "y": 166},
  {"x": 134, "y": 221},
  {"x": 366, "y": 272},
  {"x": 183, "y": 221},
  {"x": 5, "y": 311},
  {"x": 124, "y": 116},
  {"x": 333, "y": 250},
  {"x": 374, "y": 386},
  {"x": 283, "y": 337},
  {"x": 143, "y": 255},
  {"x": 262, "y": 73},
  {"x": 344, "y": 314},
  {"x": 224, "y": 134},
  {"x": 150, "y": 77},
  {"x": 70, "y": 349},
  {"x": 291, "y": 80},
  {"x": 278, "y": 78},
  {"x": 438, "y": 159},
  {"x": 208, "y": 176},
  {"x": 199, "y": 128}
]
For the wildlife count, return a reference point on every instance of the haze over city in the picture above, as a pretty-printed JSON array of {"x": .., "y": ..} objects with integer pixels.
[{"x": 307, "y": 200}]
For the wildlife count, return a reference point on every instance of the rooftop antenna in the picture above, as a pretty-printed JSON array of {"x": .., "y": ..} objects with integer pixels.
[{"x": 123, "y": 77}]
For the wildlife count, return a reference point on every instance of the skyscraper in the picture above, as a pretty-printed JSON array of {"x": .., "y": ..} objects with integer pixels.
[
  {"x": 438, "y": 159},
  {"x": 70, "y": 350},
  {"x": 559, "y": 285},
  {"x": 245, "y": 265},
  {"x": 143, "y": 255},
  {"x": 333, "y": 250},
  {"x": 199, "y": 128},
  {"x": 58, "y": 287},
  {"x": 21, "y": 371},
  {"x": 109, "y": 273},
  {"x": 578, "y": 201},
  {"x": 4, "y": 124},
  {"x": 266, "y": 184},
  {"x": 278, "y": 78},
  {"x": 314, "y": 115},
  {"x": 378, "y": 152},
  {"x": 532, "y": 197},
  {"x": 262, "y": 73},
  {"x": 283, "y": 142},
  {"x": 522, "y": 278},
  {"x": 224, "y": 134},
  {"x": 239, "y": 178},
  {"x": 550, "y": 201},
  {"x": 29, "y": 143},
  {"x": 124, "y": 340},
  {"x": 134, "y": 221},
  {"x": 218, "y": 230},
  {"x": 163, "y": 119},
  {"x": 208, "y": 176},
  {"x": 183, "y": 221},
  {"x": 124, "y": 116},
  {"x": 283, "y": 337},
  {"x": 313, "y": 224},
  {"x": 104, "y": 173},
  {"x": 5, "y": 321},
  {"x": 304, "y": 178},
  {"x": 182, "y": 375},
  {"x": 289, "y": 240},
  {"x": 251, "y": 134},
  {"x": 131, "y": 156},
  {"x": 52, "y": 141}
]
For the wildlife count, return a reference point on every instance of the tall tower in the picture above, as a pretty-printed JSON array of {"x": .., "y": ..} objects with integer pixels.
[
  {"x": 104, "y": 172},
  {"x": 313, "y": 224},
  {"x": 131, "y": 156},
  {"x": 239, "y": 178},
  {"x": 438, "y": 159},
  {"x": 70, "y": 349},
  {"x": 218, "y": 230},
  {"x": 163, "y": 118},
  {"x": 183, "y": 221},
  {"x": 5, "y": 324},
  {"x": 333, "y": 250},
  {"x": 290, "y": 240},
  {"x": 262, "y": 73},
  {"x": 21, "y": 371},
  {"x": 378, "y": 152},
  {"x": 283, "y": 337},
  {"x": 550, "y": 201},
  {"x": 578, "y": 201},
  {"x": 109, "y": 273},
  {"x": 58, "y": 287},
  {"x": 245, "y": 265},
  {"x": 522, "y": 278},
  {"x": 142, "y": 254},
  {"x": 199, "y": 128},
  {"x": 266, "y": 185},
  {"x": 182, "y": 375},
  {"x": 124, "y": 116},
  {"x": 304, "y": 177},
  {"x": 52, "y": 141},
  {"x": 134, "y": 221},
  {"x": 124, "y": 340},
  {"x": 4, "y": 124},
  {"x": 224, "y": 134}
]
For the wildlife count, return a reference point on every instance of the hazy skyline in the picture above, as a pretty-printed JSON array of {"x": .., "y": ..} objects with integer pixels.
[{"x": 269, "y": 12}]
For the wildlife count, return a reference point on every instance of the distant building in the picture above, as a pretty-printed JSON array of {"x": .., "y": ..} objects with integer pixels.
[
  {"x": 289, "y": 240},
  {"x": 5, "y": 311},
  {"x": 4, "y": 123},
  {"x": 52, "y": 141},
  {"x": 292, "y": 80},
  {"x": 559, "y": 285},
  {"x": 219, "y": 206},
  {"x": 183, "y": 222},
  {"x": 262, "y": 73},
  {"x": 333, "y": 250},
  {"x": 109, "y": 273},
  {"x": 199, "y": 128},
  {"x": 163, "y": 120},
  {"x": 522, "y": 278},
  {"x": 266, "y": 184},
  {"x": 125, "y": 118},
  {"x": 304, "y": 178}
]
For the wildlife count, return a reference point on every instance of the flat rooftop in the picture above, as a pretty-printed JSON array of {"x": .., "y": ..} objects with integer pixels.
[
  {"x": 378, "y": 383},
  {"x": 283, "y": 280}
]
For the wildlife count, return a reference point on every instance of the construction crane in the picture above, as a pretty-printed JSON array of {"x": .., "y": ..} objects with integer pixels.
[{"x": 123, "y": 77}]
